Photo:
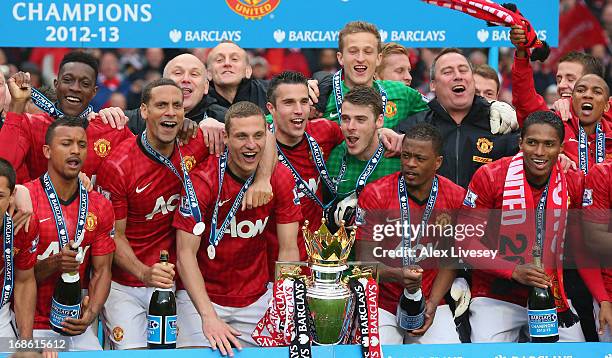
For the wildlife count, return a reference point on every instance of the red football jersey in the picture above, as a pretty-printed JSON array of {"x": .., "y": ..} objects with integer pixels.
[
  {"x": 238, "y": 274},
  {"x": 486, "y": 189},
  {"x": 378, "y": 205},
  {"x": 97, "y": 241},
  {"x": 328, "y": 135},
  {"x": 145, "y": 193},
  {"x": 27, "y": 132},
  {"x": 24, "y": 247},
  {"x": 597, "y": 203},
  {"x": 570, "y": 143}
]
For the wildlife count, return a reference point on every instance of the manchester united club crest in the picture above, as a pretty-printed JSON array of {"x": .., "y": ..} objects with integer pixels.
[
  {"x": 484, "y": 145},
  {"x": 190, "y": 162},
  {"x": 91, "y": 221},
  {"x": 102, "y": 147},
  {"x": 118, "y": 334},
  {"x": 443, "y": 219},
  {"x": 252, "y": 9},
  {"x": 390, "y": 109}
]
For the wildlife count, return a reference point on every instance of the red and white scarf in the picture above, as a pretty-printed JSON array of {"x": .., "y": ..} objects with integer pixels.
[{"x": 519, "y": 216}]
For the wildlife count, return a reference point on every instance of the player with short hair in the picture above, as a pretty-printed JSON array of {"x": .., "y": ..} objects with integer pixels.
[
  {"x": 486, "y": 82},
  {"x": 75, "y": 87},
  {"x": 500, "y": 284},
  {"x": 19, "y": 282},
  {"x": 395, "y": 64},
  {"x": 69, "y": 216},
  {"x": 225, "y": 272},
  {"x": 360, "y": 158},
  {"x": 431, "y": 200}
]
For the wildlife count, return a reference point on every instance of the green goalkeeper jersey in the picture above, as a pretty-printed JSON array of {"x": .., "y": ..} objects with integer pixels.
[{"x": 402, "y": 102}]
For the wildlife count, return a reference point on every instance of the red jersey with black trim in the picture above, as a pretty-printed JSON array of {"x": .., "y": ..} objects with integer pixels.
[
  {"x": 97, "y": 240},
  {"x": 238, "y": 274},
  {"x": 328, "y": 135},
  {"x": 145, "y": 193},
  {"x": 485, "y": 192},
  {"x": 379, "y": 209},
  {"x": 597, "y": 202},
  {"x": 27, "y": 132},
  {"x": 525, "y": 99}
]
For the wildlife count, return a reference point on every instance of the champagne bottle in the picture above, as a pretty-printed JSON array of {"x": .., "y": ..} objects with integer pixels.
[
  {"x": 542, "y": 311},
  {"x": 162, "y": 315},
  {"x": 66, "y": 300},
  {"x": 411, "y": 310}
]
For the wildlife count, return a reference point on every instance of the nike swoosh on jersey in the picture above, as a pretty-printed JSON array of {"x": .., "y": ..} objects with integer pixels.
[
  {"x": 392, "y": 220},
  {"x": 140, "y": 190},
  {"x": 43, "y": 220},
  {"x": 222, "y": 202},
  {"x": 333, "y": 115}
]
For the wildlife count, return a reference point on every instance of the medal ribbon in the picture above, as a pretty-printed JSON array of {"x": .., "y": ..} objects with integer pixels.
[
  {"x": 362, "y": 179},
  {"x": 58, "y": 215},
  {"x": 217, "y": 234},
  {"x": 319, "y": 161},
  {"x": 8, "y": 235},
  {"x": 583, "y": 147},
  {"x": 402, "y": 193},
  {"x": 41, "y": 101},
  {"x": 339, "y": 96},
  {"x": 185, "y": 179}
]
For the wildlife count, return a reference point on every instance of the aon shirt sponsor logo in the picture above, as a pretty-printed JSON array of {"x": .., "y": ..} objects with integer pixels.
[
  {"x": 246, "y": 229},
  {"x": 54, "y": 248},
  {"x": 164, "y": 207}
]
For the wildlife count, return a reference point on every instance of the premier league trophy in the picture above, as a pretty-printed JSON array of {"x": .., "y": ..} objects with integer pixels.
[{"x": 322, "y": 301}]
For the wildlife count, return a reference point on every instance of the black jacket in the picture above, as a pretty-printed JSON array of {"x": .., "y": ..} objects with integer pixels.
[
  {"x": 467, "y": 146},
  {"x": 207, "y": 105},
  {"x": 250, "y": 90}
]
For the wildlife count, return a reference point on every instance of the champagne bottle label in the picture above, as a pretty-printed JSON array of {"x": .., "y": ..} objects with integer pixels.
[
  {"x": 170, "y": 334},
  {"x": 60, "y": 312},
  {"x": 543, "y": 323},
  {"x": 409, "y": 322},
  {"x": 156, "y": 323}
]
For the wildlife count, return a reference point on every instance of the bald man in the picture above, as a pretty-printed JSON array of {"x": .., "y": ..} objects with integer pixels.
[
  {"x": 230, "y": 74},
  {"x": 190, "y": 74}
]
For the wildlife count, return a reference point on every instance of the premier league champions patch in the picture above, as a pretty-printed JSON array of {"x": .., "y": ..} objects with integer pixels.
[
  {"x": 470, "y": 199},
  {"x": 587, "y": 198}
]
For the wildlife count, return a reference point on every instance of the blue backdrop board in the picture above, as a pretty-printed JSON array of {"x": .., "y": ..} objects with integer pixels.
[
  {"x": 472, "y": 350},
  {"x": 251, "y": 23}
]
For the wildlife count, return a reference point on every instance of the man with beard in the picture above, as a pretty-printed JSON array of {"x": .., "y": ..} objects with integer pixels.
[
  {"x": 518, "y": 198},
  {"x": 74, "y": 87},
  {"x": 427, "y": 196},
  {"x": 75, "y": 236}
]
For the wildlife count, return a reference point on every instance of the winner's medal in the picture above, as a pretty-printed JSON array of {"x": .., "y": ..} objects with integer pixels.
[
  {"x": 198, "y": 229},
  {"x": 211, "y": 251}
]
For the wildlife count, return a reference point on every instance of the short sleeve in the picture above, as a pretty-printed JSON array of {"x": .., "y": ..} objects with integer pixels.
[
  {"x": 111, "y": 183},
  {"x": 287, "y": 206},
  {"x": 103, "y": 243},
  {"x": 25, "y": 245}
]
